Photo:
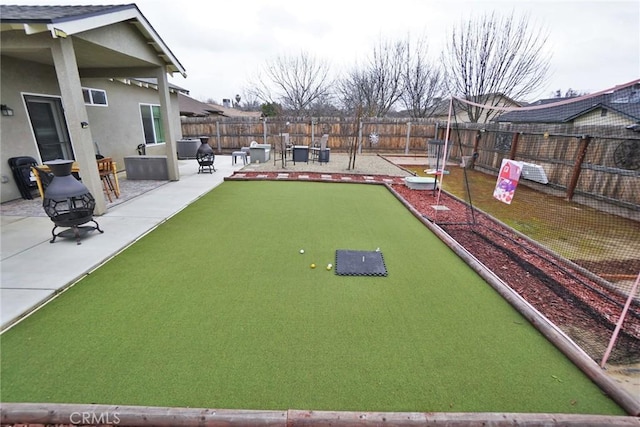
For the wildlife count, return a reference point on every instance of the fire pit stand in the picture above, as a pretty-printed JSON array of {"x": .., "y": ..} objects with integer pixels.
[
  {"x": 75, "y": 231},
  {"x": 68, "y": 202}
]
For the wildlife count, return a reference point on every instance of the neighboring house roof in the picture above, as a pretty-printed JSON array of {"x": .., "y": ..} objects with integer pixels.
[
  {"x": 62, "y": 21},
  {"x": 232, "y": 112},
  {"x": 496, "y": 99},
  {"x": 193, "y": 108},
  {"x": 625, "y": 101}
]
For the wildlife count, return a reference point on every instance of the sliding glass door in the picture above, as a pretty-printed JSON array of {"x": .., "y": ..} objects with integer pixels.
[{"x": 49, "y": 127}]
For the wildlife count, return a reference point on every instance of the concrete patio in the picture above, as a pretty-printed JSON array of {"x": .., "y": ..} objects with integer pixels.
[{"x": 34, "y": 270}]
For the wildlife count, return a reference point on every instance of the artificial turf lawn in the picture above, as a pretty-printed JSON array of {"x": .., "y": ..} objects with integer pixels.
[{"x": 217, "y": 308}]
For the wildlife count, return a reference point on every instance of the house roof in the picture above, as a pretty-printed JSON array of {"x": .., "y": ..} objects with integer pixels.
[
  {"x": 153, "y": 83},
  {"x": 62, "y": 21},
  {"x": 53, "y": 14},
  {"x": 624, "y": 100},
  {"x": 233, "y": 112},
  {"x": 194, "y": 108},
  {"x": 442, "y": 108}
]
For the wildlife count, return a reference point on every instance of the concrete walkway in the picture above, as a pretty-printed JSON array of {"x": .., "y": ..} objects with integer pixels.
[{"x": 32, "y": 270}]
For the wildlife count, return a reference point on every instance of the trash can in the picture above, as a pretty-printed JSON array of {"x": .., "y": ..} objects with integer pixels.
[
  {"x": 187, "y": 148},
  {"x": 323, "y": 155}
]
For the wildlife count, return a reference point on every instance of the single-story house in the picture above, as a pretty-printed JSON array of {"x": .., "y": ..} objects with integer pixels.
[
  {"x": 620, "y": 106},
  {"x": 77, "y": 81},
  {"x": 190, "y": 107}
]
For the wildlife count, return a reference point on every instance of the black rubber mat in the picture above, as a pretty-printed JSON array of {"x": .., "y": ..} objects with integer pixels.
[{"x": 360, "y": 263}]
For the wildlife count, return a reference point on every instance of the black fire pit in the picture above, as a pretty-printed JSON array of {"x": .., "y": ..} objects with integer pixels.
[{"x": 68, "y": 202}]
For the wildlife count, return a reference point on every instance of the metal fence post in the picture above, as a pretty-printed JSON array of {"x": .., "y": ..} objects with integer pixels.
[{"x": 406, "y": 147}]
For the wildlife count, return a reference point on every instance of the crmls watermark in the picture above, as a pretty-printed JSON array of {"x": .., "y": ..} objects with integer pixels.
[{"x": 81, "y": 418}]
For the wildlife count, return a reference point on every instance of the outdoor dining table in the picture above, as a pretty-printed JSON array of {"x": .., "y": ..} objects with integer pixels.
[
  {"x": 300, "y": 153},
  {"x": 75, "y": 168}
]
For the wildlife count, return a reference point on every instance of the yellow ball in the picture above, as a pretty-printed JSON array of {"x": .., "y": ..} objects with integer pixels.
[{"x": 313, "y": 266}]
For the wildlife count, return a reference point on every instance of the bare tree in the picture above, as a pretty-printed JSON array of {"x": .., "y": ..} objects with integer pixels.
[
  {"x": 251, "y": 101},
  {"x": 296, "y": 82},
  {"x": 324, "y": 106},
  {"x": 375, "y": 87},
  {"x": 494, "y": 57},
  {"x": 356, "y": 93},
  {"x": 422, "y": 79}
]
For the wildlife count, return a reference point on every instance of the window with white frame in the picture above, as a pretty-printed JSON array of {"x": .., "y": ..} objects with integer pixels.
[
  {"x": 94, "y": 96},
  {"x": 152, "y": 124}
]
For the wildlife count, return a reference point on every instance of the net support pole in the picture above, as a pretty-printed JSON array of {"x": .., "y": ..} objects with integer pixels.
[
  {"x": 446, "y": 146},
  {"x": 577, "y": 167},
  {"x": 623, "y": 315}
]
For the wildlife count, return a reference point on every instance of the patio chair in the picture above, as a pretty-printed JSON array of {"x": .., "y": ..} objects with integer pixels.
[
  {"x": 321, "y": 153},
  {"x": 21, "y": 169},
  {"x": 284, "y": 148},
  {"x": 105, "y": 170},
  {"x": 43, "y": 179}
]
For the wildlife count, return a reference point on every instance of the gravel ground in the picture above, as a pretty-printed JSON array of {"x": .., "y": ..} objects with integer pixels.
[{"x": 365, "y": 164}]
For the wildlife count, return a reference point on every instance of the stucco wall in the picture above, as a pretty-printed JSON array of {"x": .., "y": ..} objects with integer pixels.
[
  {"x": 117, "y": 128},
  {"x": 16, "y": 137}
]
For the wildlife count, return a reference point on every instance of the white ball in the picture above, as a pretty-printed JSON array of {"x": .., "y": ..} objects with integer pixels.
[{"x": 301, "y": 251}]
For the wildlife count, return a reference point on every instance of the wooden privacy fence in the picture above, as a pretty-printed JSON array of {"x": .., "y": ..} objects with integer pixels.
[
  {"x": 372, "y": 134},
  {"x": 587, "y": 161},
  {"x": 578, "y": 160}
]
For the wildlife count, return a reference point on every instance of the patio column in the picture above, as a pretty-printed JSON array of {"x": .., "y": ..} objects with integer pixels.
[
  {"x": 66, "y": 66},
  {"x": 168, "y": 125}
]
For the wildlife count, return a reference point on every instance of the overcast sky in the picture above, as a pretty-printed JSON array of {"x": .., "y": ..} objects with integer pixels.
[{"x": 223, "y": 44}]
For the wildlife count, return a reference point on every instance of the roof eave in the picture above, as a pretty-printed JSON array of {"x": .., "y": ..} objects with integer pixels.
[{"x": 63, "y": 27}]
